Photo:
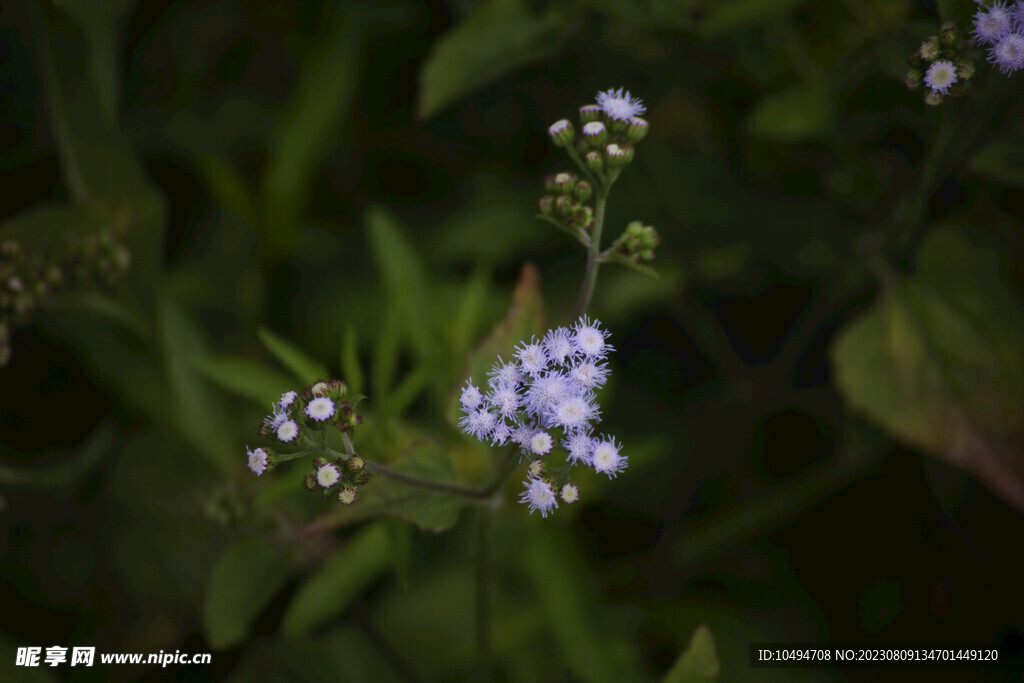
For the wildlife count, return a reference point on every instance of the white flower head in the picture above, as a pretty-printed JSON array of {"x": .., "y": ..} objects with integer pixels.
[
  {"x": 593, "y": 129},
  {"x": 320, "y": 409},
  {"x": 532, "y": 358},
  {"x": 569, "y": 493},
  {"x": 501, "y": 434},
  {"x": 620, "y": 105},
  {"x": 540, "y": 443},
  {"x": 522, "y": 433},
  {"x": 471, "y": 397},
  {"x": 508, "y": 374},
  {"x": 573, "y": 414},
  {"x": 992, "y": 24},
  {"x": 940, "y": 76},
  {"x": 1008, "y": 53},
  {"x": 287, "y": 432},
  {"x": 277, "y": 417},
  {"x": 539, "y": 496},
  {"x": 580, "y": 447},
  {"x": 606, "y": 457},
  {"x": 287, "y": 399},
  {"x": 327, "y": 475},
  {"x": 505, "y": 400},
  {"x": 479, "y": 423},
  {"x": 546, "y": 392},
  {"x": 590, "y": 339},
  {"x": 588, "y": 374},
  {"x": 559, "y": 346},
  {"x": 258, "y": 460}
]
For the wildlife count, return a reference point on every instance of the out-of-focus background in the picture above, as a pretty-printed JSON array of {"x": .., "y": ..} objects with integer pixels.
[{"x": 821, "y": 396}]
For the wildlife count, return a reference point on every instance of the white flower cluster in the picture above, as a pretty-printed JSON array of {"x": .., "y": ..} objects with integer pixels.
[{"x": 549, "y": 388}]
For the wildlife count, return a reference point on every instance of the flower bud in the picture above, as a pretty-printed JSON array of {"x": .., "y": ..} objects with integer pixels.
[
  {"x": 338, "y": 389},
  {"x": 569, "y": 493},
  {"x": 618, "y": 155},
  {"x": 321, "y": 388},
  {"x": 347, "y": 495},
  {"x": 549, "y": 184},
  {"x": 562, "y": 133},
  {"x": 913, "y": 79},
  {"x": 356, "y": 463},
  {"x": 595, "y": 134},
  {"x": 590, "y": 113},
  {"x": 583, "y": 190},
  {"x": 948, "y": 33},
  {"x": 637, "y": 130},
  {"x": 563, "y": 205},
  {"x": 363, "y": 478},
  {"x": 594, "y": 161},
  {"x": 929, "y": 49},
  {"x": 564, "y": 182},
  {"x": 933, "y": 98},
  {"x": 547, "y": 205},
  {"x": 310, "y": 481},
  {"x": 536, "y": 469},
  {"x": 965, "y": 70}
]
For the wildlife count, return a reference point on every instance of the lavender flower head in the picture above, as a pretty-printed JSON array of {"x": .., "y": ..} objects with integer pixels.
[
  {"x": 1008, "y": 53},
  {"x": 620, "y": 105},
  {"x": 544, "y": 402},
  {"x": 992, "y": 24},
  {"x": 940, "y": 76}
]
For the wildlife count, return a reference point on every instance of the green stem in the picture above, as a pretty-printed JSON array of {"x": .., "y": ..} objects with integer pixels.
[
  {"x": 484, "y": 537},
  {"x": 594, "y": 251}
]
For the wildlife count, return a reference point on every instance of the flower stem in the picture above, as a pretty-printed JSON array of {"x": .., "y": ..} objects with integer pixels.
[
  {"x": 594, "y": 251},
  {"x": 485, "y": 528}
]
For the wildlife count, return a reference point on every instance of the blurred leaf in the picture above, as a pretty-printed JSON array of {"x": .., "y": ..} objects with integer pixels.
[
  {"x": 44, "y": 225},
  {"x": 305, "y": 369},
  {"x": 1001, "y": 161},
  {"x": 621, "y": 293},
  {"x": 938, "y": 363},
  {"x": 228, "y": 188},
  {"x": 353, "y": 373},
  {"x": 340, "y": 578},
  {"x": 499, "y": 36},
  {"x": 310, "y": 121},
  {"x": 468, "y": 312},
  {"x": 722, "y": 263},
  {"x": 525, "y": 319},
  {"x": 66, "y": 468},
  {"x": 792, "y": 115},
  {"x": 385, "y": 352},
  {"x": 572, "y": 606},
  {"x": 399, "y": 265},
  {"x": 243, "y": 377},
  {"x": 429, "y": 510},
  {"x": 616, "y": 257},
  {"x": 245, "y": 578},
  {"x": 103, "y": 308},
  {"x": 408, "y": 390},
  {"x": 731, "y": 15},
  {"x": 577, "y": 234},
  {"x": 22, "y": 674},
  {"x": 698, "y": 663}
]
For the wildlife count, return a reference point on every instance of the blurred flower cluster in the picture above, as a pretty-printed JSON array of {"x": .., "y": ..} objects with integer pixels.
[
  {"x": 944, "y": 65},
  {"x": 546, "y": 397}
]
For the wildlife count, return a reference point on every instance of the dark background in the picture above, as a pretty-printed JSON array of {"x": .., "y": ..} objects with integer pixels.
[{"x": 264, "y": 162}]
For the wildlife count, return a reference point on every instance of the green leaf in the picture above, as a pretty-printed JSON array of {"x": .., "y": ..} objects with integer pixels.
[
  {"x": 525, "y": 318},
  {"x": 497, "y": 37},
  {"x": 305, "y": 369},
  {"x": 574, "y": 614},
  {"x": 426, "y": 509},
  {"x": 792, "y": 115},
  {"x": 350, "y": 362},
  {"x": 698, "y": 663},
  {"x": 228, "y": 187},
  {"x": 731, "y": 15},
  {"x": 576, "y": 233},
  {"x": 46, "y": 225},
  {"x": 938, "y": 363},
  {"x": 399, "y": 265},
  {"x": 1001, "y": 161},
  {"x": 616, "y": 257},
  {"x": 66, "y": 468},
  {"x": 342, "y": 576},
  {"x": 245, "y": 578},
  {"x": 243, "y": 377}
]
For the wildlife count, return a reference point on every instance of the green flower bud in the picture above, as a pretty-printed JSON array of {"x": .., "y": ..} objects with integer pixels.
[
  {"x": 563, "y": 205},
  {"x": 595, "y": 134},
  {"x": 547, "y": 205},
  {"x": 933, "y": 98},
  {"x": 948, "y": 33},
  {"x": 564, "y": 182},
  {"x": 321, "y": 388},
  {"x": 310, "y": 482},
  {"x": 929, "y": 50},
  {"x": 583, "y": 190},
  {"x": 549, "y": 184},
  {"x": 590, "y": 113},
  {"x": 536, "y": 469},
  {"x": 913, "y": 79},
  {"x": 965, "y": 70},
  {"x": 594, "y": 161},
  {"x": 618, "y": 155},
  {"x": 562, "y": 133},
  {"x": 637, "y": 130},
  {"x": 363, "y": 478},
  {"x": 347, "y": 495},
  {"x": 356, "y": 463}
]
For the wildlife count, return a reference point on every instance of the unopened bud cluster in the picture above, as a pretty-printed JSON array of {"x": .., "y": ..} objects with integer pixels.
[
  {"x": 340, "y": 477},
  {"x": 608, "y": 131},
  {"x": 638, "y": 241},
  {"x": 97, "y": 259},
  {"x": 567, "y": 198},
  {"x": 300, "y": 420},
  {"x": 943, "y": 65}
]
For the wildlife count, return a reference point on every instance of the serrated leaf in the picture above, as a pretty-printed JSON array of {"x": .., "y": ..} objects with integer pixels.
[
  {"x": 426, "y": 509},
  {"x": 246, "y": 576},
  {"x": 937, "y": 362},
  {"x": 792, "y": 115},
  {"x": 616, "y": 257},
  {"x": 328, "y": 592},
  {"x": 497, "y": 37},
  {"x": 698, "y": 663},
  {"x": 305, "y": 369},
  {"x": 525, "y": 319},
  {"x": 243, "y": 377}
]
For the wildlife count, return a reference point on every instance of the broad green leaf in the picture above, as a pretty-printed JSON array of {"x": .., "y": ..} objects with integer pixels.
[
  {"x": 245, "y": 578},
  {"x": 793, "y": 115},
  {"x": 525, "y": 318},
  {"x": 1001, "y": 161},
  {"x": 937, "y": 362},
  {"x": 243, "y": 377},
  {"x": 497, "y": 37},
  {"x": 328, "y": 592},
  {"x": 616, "y": 257},
  {"x": 44, "y": 224},
  {"x": 304, "y": 368},
  {"x": 574, "y": 615},
  {"x": 698, "y": 663},
  {"x": 404, "y": 279},
  {"x": 732, "y": 15},
  {"x": 426, "y": 509}
]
